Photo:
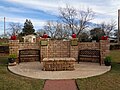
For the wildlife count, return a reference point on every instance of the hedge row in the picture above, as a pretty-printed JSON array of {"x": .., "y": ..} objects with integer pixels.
[
  {"x": 114, "y": 47},
  {"x": 4, "y": 49}
]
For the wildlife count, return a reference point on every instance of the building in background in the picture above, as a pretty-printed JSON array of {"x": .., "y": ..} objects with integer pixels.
[{"x": 29, "y": 38}]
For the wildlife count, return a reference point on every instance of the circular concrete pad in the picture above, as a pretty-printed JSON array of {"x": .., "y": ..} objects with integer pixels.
[{"x": 82, "y": 70}]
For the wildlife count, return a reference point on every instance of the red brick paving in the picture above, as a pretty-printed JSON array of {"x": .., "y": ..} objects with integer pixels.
[{"x": 60, "y": 85}]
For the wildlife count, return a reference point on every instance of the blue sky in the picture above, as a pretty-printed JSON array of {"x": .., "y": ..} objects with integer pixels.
[{"x": 39, "y": 11}]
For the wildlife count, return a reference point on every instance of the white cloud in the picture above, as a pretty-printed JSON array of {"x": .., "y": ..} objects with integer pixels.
[
  {"x": 108, "y": 7},
  {"x": 12, "y": 9},
  {"x": 51, "y": 7},
  {"x": 103, "y": 8},
  {"x": 36, "y": 23}
]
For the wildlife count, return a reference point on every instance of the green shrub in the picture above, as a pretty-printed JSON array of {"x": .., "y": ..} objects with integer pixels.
[
  {"x": 12, "y": 56},
  {"x": 107, "y": 59}
]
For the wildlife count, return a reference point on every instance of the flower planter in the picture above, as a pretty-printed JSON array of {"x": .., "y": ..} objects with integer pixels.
[
  {"x": 73, "y": 35},
  {"x": 11, "y": 60},
  {"x": 107, "y": 63},
  {"x": 45, "y": 36},
  {"x": 104, "y": 37},
  {"x": 13, "y": 37}
]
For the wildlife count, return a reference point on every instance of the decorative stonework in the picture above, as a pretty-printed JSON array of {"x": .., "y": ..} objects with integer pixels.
[
  {"x": 58, "y": 64},
  {"x": 60, "y": 48},
  {"x": 104, "y": 48}
]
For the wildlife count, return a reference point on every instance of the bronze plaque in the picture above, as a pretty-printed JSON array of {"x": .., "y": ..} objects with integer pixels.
[{"x": 44, "y": 43}]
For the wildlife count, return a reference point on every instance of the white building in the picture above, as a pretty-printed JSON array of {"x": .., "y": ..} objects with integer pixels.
[{"x": 29, "y": 38}]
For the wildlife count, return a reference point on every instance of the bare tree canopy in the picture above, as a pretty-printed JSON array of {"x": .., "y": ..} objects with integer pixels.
[
  {"x": 73, "y": 21},
  {"x": 50, "y": 27},
  {"x": 56, "y": 29},
  {"x": 108, "y": 27},
  {"x": 68, "y": 15},
  {"x": 61, "y": 31},
  {"x": 77, "y": 20},
  {"x": 15, "y": 28},
  {"x": 40, "y": 32},
  {"x": 84, "y": 17}
]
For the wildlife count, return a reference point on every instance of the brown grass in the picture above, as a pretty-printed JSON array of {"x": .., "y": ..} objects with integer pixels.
[
  {"x": 9, "y": 81},
  {"x": 107, "y": 81}
]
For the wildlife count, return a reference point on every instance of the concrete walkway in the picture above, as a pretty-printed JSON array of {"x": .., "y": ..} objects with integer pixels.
[
  {"x": 60, "y": 85},
  {"x": 82, "y": 70}
]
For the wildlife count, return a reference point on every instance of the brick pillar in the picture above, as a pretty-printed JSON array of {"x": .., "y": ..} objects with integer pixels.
[
  {"x": 74, "y": 49},
  {"x": 104, "y": 48},
  {"x": 13, "y": 47},
  {"x": 44, "y": 49}
]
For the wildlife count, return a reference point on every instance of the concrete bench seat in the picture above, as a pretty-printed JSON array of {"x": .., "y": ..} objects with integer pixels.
[{"x": 58, "y": 64}]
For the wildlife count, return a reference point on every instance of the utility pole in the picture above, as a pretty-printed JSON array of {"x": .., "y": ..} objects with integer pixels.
[
  {"x": 118, "y": 26},
  {"x": 4, "y": 26}
]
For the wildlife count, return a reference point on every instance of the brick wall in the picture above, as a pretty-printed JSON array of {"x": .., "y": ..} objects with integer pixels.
[
  {"x": 55, "y": 48},
  {"x": 28, "y": 45},
  {"x": 13, "y": 46},
  {"x": 60, "y": 48},
  {"x": 89, "y": 45},
  {"x": 104, "y": 48}
]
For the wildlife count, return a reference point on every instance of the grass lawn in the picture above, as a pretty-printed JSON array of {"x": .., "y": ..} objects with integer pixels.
[
  {"x": 107, "y": 81},
  {"x": 9, "y": 81}
]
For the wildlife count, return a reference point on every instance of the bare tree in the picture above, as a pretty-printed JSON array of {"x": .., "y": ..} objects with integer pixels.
[
  {"x": 15, "y": 28},
  {"x": 50, "y": 27},
  {"x": 40, "y": 32},
  {"x": 77, "y": 20},
  {"x": 62, "y": 31},
  {"x": 108, "y": 27},
  {"x": 57, "y": 29},
  {"x": 68, "y": 15},
  {"x": 72, "y": 21},
  {"x": 84, "y": 17}
]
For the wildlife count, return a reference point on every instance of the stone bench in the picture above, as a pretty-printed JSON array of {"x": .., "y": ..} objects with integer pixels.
[{"x": 58, "y": 64}]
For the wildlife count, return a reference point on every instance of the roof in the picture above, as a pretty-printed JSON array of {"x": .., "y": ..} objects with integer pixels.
[{"x": 29, "y": 36}]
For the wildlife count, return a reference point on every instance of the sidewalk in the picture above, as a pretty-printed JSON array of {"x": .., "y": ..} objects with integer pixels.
[
  {"x": 60, "y": 85},
  {"x": 82, "y": 70}
]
